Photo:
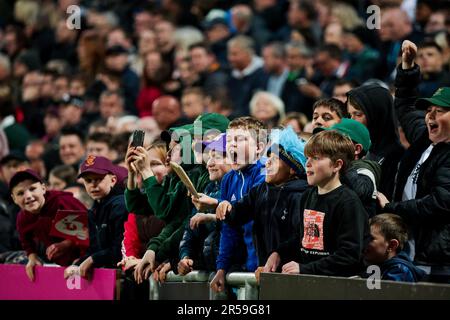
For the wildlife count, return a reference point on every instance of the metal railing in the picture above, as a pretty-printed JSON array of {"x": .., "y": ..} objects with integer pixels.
[{"x": 243, "y": 282}]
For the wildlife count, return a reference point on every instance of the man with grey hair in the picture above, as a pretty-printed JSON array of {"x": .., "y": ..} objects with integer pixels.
[{"x": 247, "y": 74}]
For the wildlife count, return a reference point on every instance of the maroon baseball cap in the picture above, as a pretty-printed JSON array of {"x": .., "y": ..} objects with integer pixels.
[
  {"x": 97, "y": 164},
  {"x": 23, "y": 175}
]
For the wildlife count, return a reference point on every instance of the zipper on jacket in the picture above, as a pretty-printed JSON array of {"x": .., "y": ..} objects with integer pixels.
[{"x": 243, "y": 182}]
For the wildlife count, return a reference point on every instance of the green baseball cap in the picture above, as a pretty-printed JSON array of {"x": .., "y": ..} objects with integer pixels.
[
  {"x": 209, "y": 121},
  {"x": 440, "y": 98},
  {"x": 353, "y": 129},
  {"x": 180, "y": 131}
]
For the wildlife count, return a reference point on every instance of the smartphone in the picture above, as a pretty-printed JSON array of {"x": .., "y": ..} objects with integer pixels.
[{"x": 138, "y": 138}]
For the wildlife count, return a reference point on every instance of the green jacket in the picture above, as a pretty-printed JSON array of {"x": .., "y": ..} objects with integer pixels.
[{"x": 169, "y": 202}]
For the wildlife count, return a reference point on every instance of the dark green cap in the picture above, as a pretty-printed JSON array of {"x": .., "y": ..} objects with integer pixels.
[
  {"x": 441, "y": 98},
  {"x": 353, "y": 129},
  {"x": 209, "y": 121}
]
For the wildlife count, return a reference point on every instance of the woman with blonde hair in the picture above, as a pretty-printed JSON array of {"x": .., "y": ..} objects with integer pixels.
[{"x": 267, "y": 108}]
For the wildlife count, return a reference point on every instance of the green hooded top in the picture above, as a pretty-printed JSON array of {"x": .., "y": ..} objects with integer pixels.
[{"x": 169, "y": 202}]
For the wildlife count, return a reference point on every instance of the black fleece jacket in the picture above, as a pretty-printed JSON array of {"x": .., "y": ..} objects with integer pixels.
[{"x": 275, "y": 211}]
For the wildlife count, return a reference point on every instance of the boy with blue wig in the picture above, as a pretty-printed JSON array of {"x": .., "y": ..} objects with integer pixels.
[{"x": 275, "y": 204}]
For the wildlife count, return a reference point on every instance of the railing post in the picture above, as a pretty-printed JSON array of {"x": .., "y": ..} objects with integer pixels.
[
  {"x": 245, "y": 283},
  {"x": 154, "y": 289}
]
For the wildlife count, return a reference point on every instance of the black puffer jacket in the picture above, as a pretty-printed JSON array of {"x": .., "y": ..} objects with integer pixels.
[
  {"x": 275, "y": 211},
  {"x": 377, "y": 104},
  {"x": 429, "y": 212}
]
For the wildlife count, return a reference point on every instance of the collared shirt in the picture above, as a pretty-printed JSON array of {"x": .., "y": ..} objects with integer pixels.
[{"x": 255, "y": 64}]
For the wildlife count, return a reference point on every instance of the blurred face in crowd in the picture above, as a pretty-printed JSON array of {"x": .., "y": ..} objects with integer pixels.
[
  {"x": 352, "y": 43},
  {"x": 238, "y": 58},
  {"x": 98, "y": 186},
  {"x": 429, "y": 60},
  {"x": 55, "y": 183},
  {"x": 77, "y": 88},
  {"x": 149, "y": 125},
  {"x": 264, "y": 109},
  {"x": 272, "y": 63},
  {"x": 340, "y": 92},
  {"x": 277, "y": 171},
  {"x": 147, "y": 42},
  {"x": 395, "y": 25},
  {"x": 334, "y": 34},
  {"x": 217, "y": 32},
  {"x": 118, "y": 37},
  {"x": 61, "y": 87},
  {"x": 166, "y": 110},
  {"x": 164, "y": 35},
  {"x": 98, "y": 148},
  {"x": 325, "y": 64},
  {"x": 438, "y": 124},
  {"x": 436, "y": 23},
  {"x": 47, "y": 89},
  {"x": 242, "y": 148},
  {"x": 296, "y": 16},
  {"x": 29, "y": 195},
  {"x": 295, "y": 59},
  {"x": 110, "y": 106},
  {"x": 70, "y": 114},
  {"x": 10, "y": 168},
  {"x": 143, "y": 21},
  {"x": 324, "y": 117},
  {"x": 52, "y": 125},
  {"x": 217, "y": 165},
  {"x": 71, "y": 149},
  {"x": 356, "y": 113},
  {"x": 200, "y": 59},
  {"x": 192, "y": 105},
  {"x": 187, "y": 74},
  {"x": 34, "y": 152},
  {"x": 117, "y": 62},
  {"x": 153, "y": 63}
]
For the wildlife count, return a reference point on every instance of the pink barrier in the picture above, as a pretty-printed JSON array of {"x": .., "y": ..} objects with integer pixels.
[{"x": 50, "y": 284}]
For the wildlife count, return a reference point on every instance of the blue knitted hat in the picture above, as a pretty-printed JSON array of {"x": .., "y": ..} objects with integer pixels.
[{"x": 290, "y": 148}]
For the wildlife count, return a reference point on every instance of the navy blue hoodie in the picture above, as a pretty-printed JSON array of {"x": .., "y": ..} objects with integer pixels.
[{"x": 400, "y": 268}]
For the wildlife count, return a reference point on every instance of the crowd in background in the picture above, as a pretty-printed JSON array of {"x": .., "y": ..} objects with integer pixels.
[{"x": 75, "y": 86}]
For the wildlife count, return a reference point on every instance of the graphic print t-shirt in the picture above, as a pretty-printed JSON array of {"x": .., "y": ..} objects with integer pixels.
[
  {"x": 313, "y": 229},
  {"x": 328, "y": 219}
]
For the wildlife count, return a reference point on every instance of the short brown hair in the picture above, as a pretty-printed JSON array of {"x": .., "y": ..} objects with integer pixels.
[
  {"x": 333, "y": 145},
  {"x": 251, "y": 124},
  {"x": 333, "y": 104},
  {"x": 392, "y": 227}
]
